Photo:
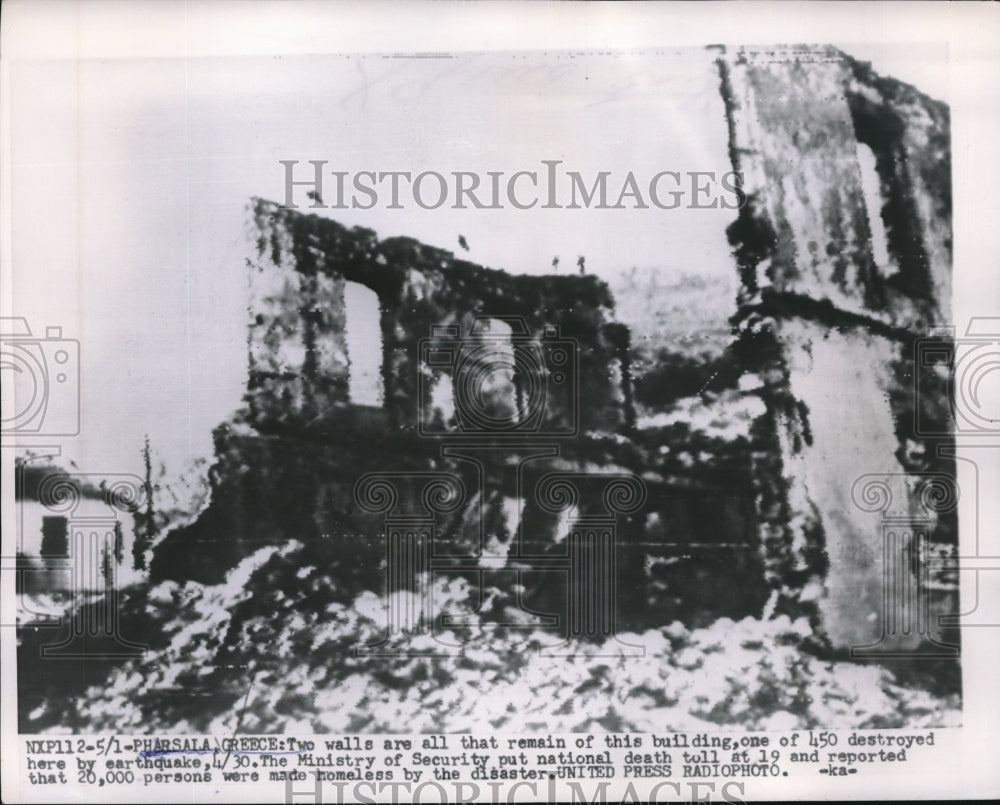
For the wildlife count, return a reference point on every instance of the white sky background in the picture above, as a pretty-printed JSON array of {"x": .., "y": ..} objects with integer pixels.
[{"x": 130, "y": 177}]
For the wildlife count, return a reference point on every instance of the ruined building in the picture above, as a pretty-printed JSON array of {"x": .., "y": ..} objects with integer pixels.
[
  {"x": 316, "y": 424},
  {"x": 844, "y": 253},
  {"x": 844, "y": 256}
]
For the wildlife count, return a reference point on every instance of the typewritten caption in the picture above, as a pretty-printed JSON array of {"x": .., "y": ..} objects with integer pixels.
[{"x": 486, "y": 768}]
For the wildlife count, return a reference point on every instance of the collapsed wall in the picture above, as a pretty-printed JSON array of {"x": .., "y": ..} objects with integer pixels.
[
  {"x": 555, "y": 395},
  {"x": 299, "y": 365},
  {"x": 844, "y": 254}
]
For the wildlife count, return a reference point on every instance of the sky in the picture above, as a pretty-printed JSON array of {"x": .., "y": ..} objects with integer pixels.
[{"x": 131, "y": 177}]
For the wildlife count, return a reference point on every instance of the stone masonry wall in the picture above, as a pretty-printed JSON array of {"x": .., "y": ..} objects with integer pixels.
[
  {"x": 838, "y": 279},
  {"x": 830, "y": 324},
  {"x": 287, "y": 465}
]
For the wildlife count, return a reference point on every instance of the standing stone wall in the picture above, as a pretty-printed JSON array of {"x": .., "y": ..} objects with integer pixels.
[{"x": 830, "y": 322}]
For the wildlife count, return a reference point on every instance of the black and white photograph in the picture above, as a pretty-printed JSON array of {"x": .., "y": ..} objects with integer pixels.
[{"x": 612, "y": 411}]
